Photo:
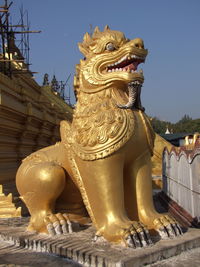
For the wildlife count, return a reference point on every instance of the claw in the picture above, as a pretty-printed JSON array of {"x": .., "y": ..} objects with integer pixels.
[
  {"x": 148, "y": 238},
  {"x": 57, "y": 227},
  {"x": 167, "y": 227},
  {"x": 58, "y": 224},
  {"x": 162, "y": 232},
  {"x": 170, "y": 231},
  {"x": 142, "y": 239},
  {"x": 175, "y": 229},
  {"x": 146, "y": 234},
  {"x": 69, "y": 226},
  {"x": 130, "y": 242},
  {"x": 49, "y": 226},
  {"x": 179, "y": 228},
  {"x": 173, "y": 225},
  {"x": 64, "y": 229},
  {"x": 63, "y": 223},
  {"x": 68, "y": 223},
  {"x": 136, "y": 240},
  {"x": 51, "y": 229},
  {"x": 168, "y": 219}
]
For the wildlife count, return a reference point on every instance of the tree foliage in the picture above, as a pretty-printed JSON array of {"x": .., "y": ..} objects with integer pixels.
[{"x": 185, "y": 125}]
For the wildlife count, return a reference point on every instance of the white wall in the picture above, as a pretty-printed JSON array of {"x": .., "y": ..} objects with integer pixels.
[{"x": 181, "y": 179}]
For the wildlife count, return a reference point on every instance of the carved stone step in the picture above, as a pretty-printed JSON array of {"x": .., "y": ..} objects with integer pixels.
[{"x": 7, "y": 207}]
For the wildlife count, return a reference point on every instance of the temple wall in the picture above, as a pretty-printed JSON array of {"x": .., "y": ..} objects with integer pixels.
[
  {"x": 181, "y": 177},
  {"x": 29, "y": 120}
]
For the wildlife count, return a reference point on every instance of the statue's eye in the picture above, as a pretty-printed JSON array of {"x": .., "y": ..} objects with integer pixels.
[{"x": 110, "y": 47}]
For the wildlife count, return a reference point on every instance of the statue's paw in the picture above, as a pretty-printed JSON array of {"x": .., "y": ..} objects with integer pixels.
[
  {"x": 58, "y": 224},
  {"x": 137, "y": 236},
  {"x": 167, "y": 227}
]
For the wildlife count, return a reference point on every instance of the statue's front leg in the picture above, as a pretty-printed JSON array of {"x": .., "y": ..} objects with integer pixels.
[
  {"x": 101, "y": 186},
  {"x": 164, "y": 224}
]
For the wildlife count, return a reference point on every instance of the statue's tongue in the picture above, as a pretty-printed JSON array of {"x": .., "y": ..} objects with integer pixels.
[{"x": 132, "y": 66}]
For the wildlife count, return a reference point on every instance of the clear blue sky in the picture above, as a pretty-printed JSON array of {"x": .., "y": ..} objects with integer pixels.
[{"x": 170, "y": 29}]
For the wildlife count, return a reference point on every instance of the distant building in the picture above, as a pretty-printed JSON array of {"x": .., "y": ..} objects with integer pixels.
[
  {"x": 167, "y": 131},
  {"x": 177, "y": 139}
]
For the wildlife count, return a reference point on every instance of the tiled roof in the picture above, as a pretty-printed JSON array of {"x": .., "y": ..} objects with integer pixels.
[{"x": 175, "y": 136}]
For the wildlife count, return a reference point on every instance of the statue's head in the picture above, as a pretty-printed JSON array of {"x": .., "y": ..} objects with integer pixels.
[{"x": 110, "y": 59}]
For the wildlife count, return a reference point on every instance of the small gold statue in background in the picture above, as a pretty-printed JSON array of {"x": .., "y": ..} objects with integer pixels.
[{"x": 101, "y": 169}]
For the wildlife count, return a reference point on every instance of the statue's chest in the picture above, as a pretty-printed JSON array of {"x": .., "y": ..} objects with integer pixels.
[{"x": 101, "y": 133}]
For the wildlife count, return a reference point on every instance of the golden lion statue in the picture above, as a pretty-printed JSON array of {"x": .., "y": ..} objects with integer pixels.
[{"x": 101, "y": 169}]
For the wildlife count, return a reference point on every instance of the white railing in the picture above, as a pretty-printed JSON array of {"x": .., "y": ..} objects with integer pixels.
[{"x": 181, "y": 178}]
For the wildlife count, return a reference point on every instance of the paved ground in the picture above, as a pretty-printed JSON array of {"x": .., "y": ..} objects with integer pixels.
[
  {"x": 11, "y": 256},
  {"x": 186, "y": 259}
]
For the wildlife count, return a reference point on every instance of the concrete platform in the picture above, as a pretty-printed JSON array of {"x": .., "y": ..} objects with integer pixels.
[{"x": 80, "y": 248}]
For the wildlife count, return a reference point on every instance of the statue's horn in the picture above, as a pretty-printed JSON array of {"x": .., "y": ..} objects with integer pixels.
[
  {"x": 106, "y": 28},
  {"x": 86, "y": 37},
  {"x": 96, "y": 30}
]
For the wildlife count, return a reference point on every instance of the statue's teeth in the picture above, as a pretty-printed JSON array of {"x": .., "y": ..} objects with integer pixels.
[
  {"x": 127, "y": 57},
  {"x": 122, "y": 59}
]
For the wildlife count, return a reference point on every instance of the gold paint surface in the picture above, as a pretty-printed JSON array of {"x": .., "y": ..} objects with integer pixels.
[
  {"x": 102, "y": 167},
  {"x": 7, "y": 208},
  {"x": 159, "y": 145}
]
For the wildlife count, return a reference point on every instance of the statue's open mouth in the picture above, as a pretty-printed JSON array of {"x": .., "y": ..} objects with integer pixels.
[{"x": 128, "y": 63}]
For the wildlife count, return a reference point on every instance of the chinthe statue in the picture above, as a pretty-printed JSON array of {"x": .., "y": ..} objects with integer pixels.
[{"x": 101, "y": 169}]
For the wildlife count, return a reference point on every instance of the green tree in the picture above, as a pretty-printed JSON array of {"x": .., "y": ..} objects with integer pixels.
[
  {"x": 160, "y": 126},
  {"x": 185, "y": 125},
  {"x": 186, "y": 118}
]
